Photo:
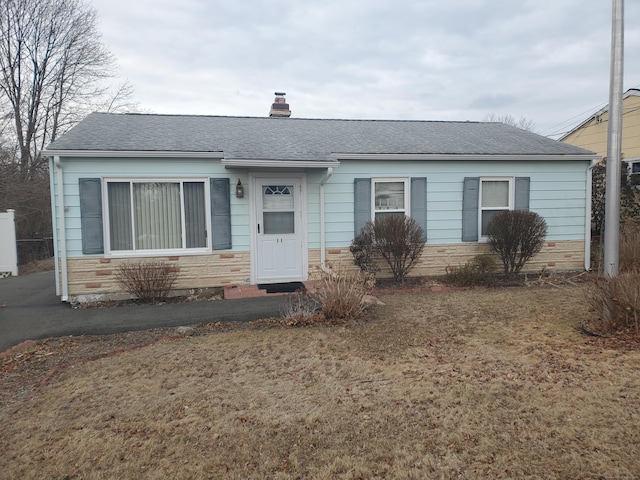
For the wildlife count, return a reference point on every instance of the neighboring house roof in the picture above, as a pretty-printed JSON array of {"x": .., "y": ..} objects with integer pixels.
[
  {"x": 632, "y": 92},
  {"x": 300, "y": 140}
]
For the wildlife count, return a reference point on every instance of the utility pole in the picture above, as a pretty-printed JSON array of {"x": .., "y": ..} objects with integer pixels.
[{"x": 614, "y": 145}]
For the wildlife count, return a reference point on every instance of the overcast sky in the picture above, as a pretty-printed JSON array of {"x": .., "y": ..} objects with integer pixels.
[{"x": 545, "y": 60}]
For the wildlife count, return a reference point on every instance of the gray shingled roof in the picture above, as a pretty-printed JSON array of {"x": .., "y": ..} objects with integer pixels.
[{"x": 300, "y": 139}]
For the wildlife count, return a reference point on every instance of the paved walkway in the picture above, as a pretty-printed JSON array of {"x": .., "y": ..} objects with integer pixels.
[{"x": 30, "y": 310}]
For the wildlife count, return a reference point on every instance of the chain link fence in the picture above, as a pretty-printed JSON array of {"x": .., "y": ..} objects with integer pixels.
[{"x": 32, "y": 249}]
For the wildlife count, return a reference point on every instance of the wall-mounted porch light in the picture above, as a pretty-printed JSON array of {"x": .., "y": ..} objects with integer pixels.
[{"x": 239, "y": 189}]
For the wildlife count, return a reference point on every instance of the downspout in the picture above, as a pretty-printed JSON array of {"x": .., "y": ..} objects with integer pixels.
[
  {"x": 61, "y": 247},
  {"x": 587, "y": 217},
  {"x": 323, "y": 254}
]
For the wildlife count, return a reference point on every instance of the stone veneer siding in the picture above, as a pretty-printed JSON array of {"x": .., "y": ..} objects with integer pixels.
[{"x": 94, "y": 277}]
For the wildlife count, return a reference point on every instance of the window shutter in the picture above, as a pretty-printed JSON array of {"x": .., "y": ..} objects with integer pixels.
[
  {"x": 470, "y": 196},
  {"x": 221, "y": 213},
  {"x": 522, "y": 193},
  {"x": 361, "y": 203},
  {"x": 419, "y": 203},
  {"x": 91, "y": 215}
]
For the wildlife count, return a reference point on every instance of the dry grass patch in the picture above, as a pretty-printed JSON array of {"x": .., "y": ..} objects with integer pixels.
[{"x": 470, "y": 384}]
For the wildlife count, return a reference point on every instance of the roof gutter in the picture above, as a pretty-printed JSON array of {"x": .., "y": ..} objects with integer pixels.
[
  {"x": 587, "y": 216},
  {"x": 131, "y": 154},
  {"x": 61, "y": 247},
  {"x": 323, "y": 242},
  {"x": 267, "y": 163},
  {"x": 462, "y": 157}
]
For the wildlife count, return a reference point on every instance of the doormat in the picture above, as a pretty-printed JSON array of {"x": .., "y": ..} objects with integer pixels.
[{"x": 281, "y": 287}]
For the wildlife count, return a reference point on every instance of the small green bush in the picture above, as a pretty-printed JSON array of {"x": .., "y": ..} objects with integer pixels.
[
  {"x": 478, "y": 271},
  {"x": 148, "y": 281},
  {"x": 516, "y": 236}
]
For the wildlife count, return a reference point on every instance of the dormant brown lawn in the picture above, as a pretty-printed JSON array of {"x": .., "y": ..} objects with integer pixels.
[{"x": 491, "y": 383}]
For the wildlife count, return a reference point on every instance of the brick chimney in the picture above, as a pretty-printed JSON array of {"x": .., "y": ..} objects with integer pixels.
[{"x": 280, "y": 107}]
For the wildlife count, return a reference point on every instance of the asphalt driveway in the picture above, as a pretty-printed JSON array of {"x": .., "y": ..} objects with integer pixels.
[{"x": 30, "y": 309}]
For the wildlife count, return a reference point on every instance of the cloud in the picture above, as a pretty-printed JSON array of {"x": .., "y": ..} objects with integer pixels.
[
  {"x": 491, "y": 103},
  {"x": 426, "y": 59}
]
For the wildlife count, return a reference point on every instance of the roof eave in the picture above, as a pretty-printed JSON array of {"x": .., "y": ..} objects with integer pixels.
[
  {"x": 268, "y": 163},
  {"x": 632, "y": 92},
  {"x": 465, "y": 157}
]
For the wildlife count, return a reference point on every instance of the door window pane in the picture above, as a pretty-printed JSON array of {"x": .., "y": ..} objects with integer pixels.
[
  {"x": 277, "y": 197},
  {"x": 278, "y": 209},
  {"x": 278, "y": 223}
]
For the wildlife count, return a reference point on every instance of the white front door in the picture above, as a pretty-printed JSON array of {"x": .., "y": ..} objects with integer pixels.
[{"x": 279, "y": 229}]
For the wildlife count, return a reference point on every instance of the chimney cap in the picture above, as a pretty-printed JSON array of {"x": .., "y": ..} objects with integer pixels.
[{"x": 280, "y": 94}]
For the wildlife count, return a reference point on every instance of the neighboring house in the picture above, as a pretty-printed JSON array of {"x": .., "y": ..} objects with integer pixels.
[
  {"x": 237, "y": 200},
  {"x": 592, "y": 133}
]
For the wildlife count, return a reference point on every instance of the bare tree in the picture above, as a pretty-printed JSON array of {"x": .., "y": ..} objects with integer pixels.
[
  {"x": 120, "y": 100},
  {"x": 52, "y": 64},
  {"x": 523, "y": 123},
  {"x": 53, "y": 71}
]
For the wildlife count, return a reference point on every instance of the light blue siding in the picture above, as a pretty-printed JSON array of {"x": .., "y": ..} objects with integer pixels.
[
  {"x": 76, "y": 168},
  {"x": 313, "y": 207},
  {"x": 557, "y": 192}
]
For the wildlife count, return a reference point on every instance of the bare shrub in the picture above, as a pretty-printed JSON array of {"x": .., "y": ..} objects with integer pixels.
[
  {"x": 364, "y": 253},
  {"x": 300, "y": 308},
  {"x": 629, "y": 247},
  {"x": 516, "y": 236},
  {"x": 341, "y": 297},
  {"x": 148, "y": 281},
  {"x": 629, "y": 196},
  {"x": 398, "y": 239},
  {"x": 616, "y": 301},
  {"x": 478, "y": 271}
]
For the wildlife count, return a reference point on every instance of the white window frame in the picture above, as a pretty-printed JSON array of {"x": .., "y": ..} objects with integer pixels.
[
  {"x": 407, "y": 196},
  {"x": 157, "y": 252},
  {"x": 481, "y": 209}
]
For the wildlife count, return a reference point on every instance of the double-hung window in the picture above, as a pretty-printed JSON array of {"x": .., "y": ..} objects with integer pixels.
[
  {"x": 496, "y": 195},
  {"x": 156, "y": 215},
  {"x": 390, "y": 197}
]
